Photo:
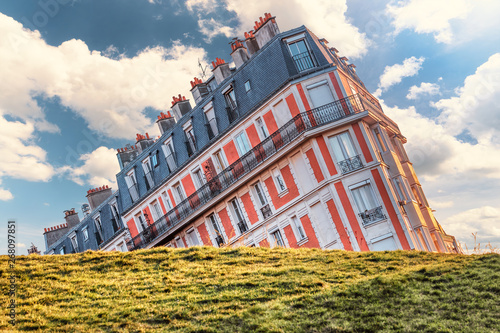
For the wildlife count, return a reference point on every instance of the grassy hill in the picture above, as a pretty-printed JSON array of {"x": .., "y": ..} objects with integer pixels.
[{"x": 255, "y": 290}]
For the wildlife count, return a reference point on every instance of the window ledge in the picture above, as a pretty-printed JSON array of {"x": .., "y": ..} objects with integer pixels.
[
  {"x": 282, "y": 194},
  {"x": 303, "y": 241},
  {"x": 372, "y": 223}
]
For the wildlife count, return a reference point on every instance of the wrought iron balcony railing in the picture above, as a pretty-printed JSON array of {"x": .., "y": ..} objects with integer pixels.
[
  {"x": 259, "y": 154},
  {"x": 266, "y": 211},
  {"x": 372, "y": 215},
  {"x": 351, "y": 164},
  {"x": 303, "y": 61}
]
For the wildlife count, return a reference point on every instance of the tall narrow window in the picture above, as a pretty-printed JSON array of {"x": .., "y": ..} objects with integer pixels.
[
  {"x": 278, "y": 180},
  {"x": 156, "y": 211},
  {"x": 380, "y": 140},
  {"x": 166, "y": 200},
  {"x": 242, "y": 143},
  {"x": 115, "y": 218},
  {"x": 230, "y": 98},
  {"x": 368, "y": 207},
  {"x": 154, "y": 159},
  {"x": 199, "y": 178},
  {"x": 320, "y": 94},
  {"x": 99, "y": 231},
  {"x": 278, "y": 239},
  {"x": 345, "y": 153},
  {"x": 148, "y": 173},
  {"x": 282, "y": 113},
  {"x": 261, "y": 128},
  {"x": 179, "y": 193},
  {"x": 211, "y": 124},
  {"x": 247, "y": 86},
  {"x": 265, "y": 208},
  {"x": 168, "y": 150},
  {"x": 85, "y": 232},
  {"x": 238, "y": 214},
  {"x": 132, "y": 186},
  {"x": 399, "y": 189},
  {"x": 190, "y": 140},
  {"x": 301, "y": 55},
  {"x": 192, "y": 238},
  {"x": 299, "y": 228},
  {"x": 220, "y": 161},
  {"x": 140, "y": 222},
  {"x": 179, "y": 242},
  {"x": 219, "y": 239},
  {"x": 74, "y": 242}
]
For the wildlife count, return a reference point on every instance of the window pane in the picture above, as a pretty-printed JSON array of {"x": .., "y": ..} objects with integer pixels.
[
  {"x": 321, "y": 95},
  {"x": 347, "y": 145}
]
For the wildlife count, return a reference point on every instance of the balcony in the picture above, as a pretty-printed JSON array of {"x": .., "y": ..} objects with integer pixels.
[
  {"x": 266, "y": 211},
  {"x": 303, "y": 61},
  {"x": 351, "y": 164},
  {"x": 372, "y": 215},
  {"x": 270, "y": 146},
  {"x": 242, "y": 226}
]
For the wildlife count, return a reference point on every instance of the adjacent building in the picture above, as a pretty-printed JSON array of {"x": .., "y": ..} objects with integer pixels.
[{"x": 286, "y": 148}]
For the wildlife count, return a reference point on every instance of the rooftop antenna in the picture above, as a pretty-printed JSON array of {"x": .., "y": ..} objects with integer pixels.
[{"x": 203, "y": 69}]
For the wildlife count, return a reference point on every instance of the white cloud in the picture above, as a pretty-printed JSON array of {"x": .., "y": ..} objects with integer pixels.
[
  {"x": 485, "y": 221},
  {"x": 324, "y": 17},
  {"x": 450, "y": 21},
  {"x": 475, "y": 108},
  {"x": 212, "y": 28},
  {"x": 21, "y": 245},
  {"x": 441, "y": 204},
  {"x": 99, "y": 168},
  {"x": 110, "y": 94},
  {"x": 5, "y": 195},
  {"x": 394, "y": 74},
  {"x": 425, "y": 88}
]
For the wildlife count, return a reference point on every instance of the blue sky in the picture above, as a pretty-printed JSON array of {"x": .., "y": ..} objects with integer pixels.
[{"x": 81, "y": 78}]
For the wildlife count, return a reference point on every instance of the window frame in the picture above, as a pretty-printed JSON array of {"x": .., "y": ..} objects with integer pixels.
[
  {"x": 262, "y": 130},
  {"x": 199, "y": 178},
  {"x": 168, "y": 150},
  {"x": 298, "y": 227},
  {"x": 248, "y": 86},
  {"x": 277, "y": 240},
  {"x": 139, "y": 220},
  {"x": 219, "y": 157},
  {"x": 237, "y": 213},
  {"x": 179, "y": 196},
  {"x": 279, "y": 181},
  {"x": 156, "y": 210},
  {"x": 242, "y": 138},
  {"x": 191, "y": 233},
  {"x": 216, "y": 228},
  {"x": 85, "y": 233}
]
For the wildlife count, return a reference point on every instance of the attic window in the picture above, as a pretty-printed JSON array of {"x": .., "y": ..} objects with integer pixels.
[{"x": 247, "y": 86}]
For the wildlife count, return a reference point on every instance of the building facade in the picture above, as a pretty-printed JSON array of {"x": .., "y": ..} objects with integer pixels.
[{"x": 288, "y": 148}]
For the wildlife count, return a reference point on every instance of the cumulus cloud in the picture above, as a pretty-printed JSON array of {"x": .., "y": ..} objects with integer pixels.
[
  {"x": 109, "y": 94},
  {"x": 212, "y": 28},
  {"x": 394, "y": 74},
  {"x": 327, "y": 18},
  {"x": 475, "y": 107},
  {"x": 425, "y": 88},
  {"x": 99, "y": 168},
  {"x": 5, "y": 195},
  {"x": 450, "y": 21}
]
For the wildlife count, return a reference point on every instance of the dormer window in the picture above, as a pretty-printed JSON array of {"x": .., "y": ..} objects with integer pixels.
[
  {"x": 190, "y": 139},
  {"x": 168, "y": 150},
  {"x": 148, "y": 173},
  {"x": 301, "y": 55},
  {"x": 211, "y": 123},
  {"x": 99, "y": 230},
  {"x": 132, "y": 185},
  {"x": 231, "y": 107}
]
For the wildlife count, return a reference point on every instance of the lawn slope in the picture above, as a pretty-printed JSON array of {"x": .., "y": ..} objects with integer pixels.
[{"x": 255, "y": 290}]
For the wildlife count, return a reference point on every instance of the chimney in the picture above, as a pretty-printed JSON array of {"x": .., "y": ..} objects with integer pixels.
[
  {"x": 53, "y": 234},
  {"x": 251, "y": 42},
  {"x": 265, "y": 29},
  {"x": 143, "y": 142},
  {"x": 126, "y": 155},
  {"x": 199, "y": 90},
  {"x": 180, "y": 106},
  {"x": 97, "y": 196},
  {"x": 220, "y": 69},
  {"x": 165, "y": 122},
  {"x": 85, "y": 210},
  {"x": 71, "y": 218},
  {"x": 239, "y": 53}
]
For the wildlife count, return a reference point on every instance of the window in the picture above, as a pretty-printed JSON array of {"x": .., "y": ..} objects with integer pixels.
[
  {"x": 299, "y": 228},
  {"x": 192, "y": 238},
  {"x": 156, "y": 211},
  {"x": 320, "y": 94},
  {"x": 247, "y": 86},
  {"x": 85, "y": 232},
  {"x": 220, "y": 161},
  {"x": 345, "y": 153},
  {"x": 115, "y": 218},
  {"x": 74, "y": 242},
  {"x": 190, "y": 140},
  {"x": 278, "y": 239},
  {"x": 380, "y": 140},
  {"x": 132, "y": 185},
  {"x": 168, "y": 150},
  {"x": 301, "y": 55},
  {"x": 166, "y": 200},
  {"x": 231, "y": 105},
  {"x": 179, "y": 242},
  {"x": 368, "y": 207},
  {"x": 199, "y": 178},
  {"x": 178, "y": 193},
  {"x": 242, "y": 143},
  {"x": 62, "y": 250},
  {"x": 238, "y": 215},
  {"x": 148, "y": 173},
  {"x": 219, "y": 239},
  {"x": 282, "y": 113},
  {"x": 400, "y": 151},
  {"x": 399, "y": 189},
  {"x": 99, "y": 230},
  {"x": 140, "y": 222},
  {"x": 211, "y": 124},
  {"x": 261, "y": 128},
  {"x": 265, "y": 208},
  {"x": 278, "y": 180},
  {"x": 122, "y": 247},
  {"x": 154, "y": 159}
]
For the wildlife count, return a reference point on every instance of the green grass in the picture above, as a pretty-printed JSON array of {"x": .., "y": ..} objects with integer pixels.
[{"x": 255, "y": 290}]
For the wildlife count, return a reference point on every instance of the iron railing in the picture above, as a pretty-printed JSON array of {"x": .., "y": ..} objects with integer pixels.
[
  {"x": 259, "y": 154},
  {"x": 303, "y": 61},
  {"x": 266, "y": 211},
  {"x": 133, "y": 190},
  {"x": 372, "y": 215},
  {"x": 351, "y": 164}
]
